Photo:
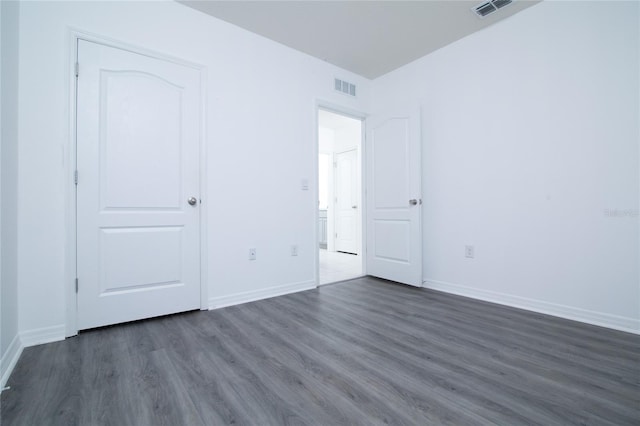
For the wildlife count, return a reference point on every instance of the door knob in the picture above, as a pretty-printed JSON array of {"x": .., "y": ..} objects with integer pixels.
[
  {"x": 192, "y": 201},
  {"x": 413, "y": 202},
  {"x": 354, "y": 207}
]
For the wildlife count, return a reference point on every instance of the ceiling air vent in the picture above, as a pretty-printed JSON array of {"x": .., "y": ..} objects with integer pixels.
[
  {"x": 344, "y": 87},
  {"x": 501, "y": 3},
  {"x": 483, "y": 9}
]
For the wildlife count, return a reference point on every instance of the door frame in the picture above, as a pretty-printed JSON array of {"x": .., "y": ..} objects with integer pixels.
[
  {"x": 71, "y": 297},
  {"x": 320, "y": 104}
]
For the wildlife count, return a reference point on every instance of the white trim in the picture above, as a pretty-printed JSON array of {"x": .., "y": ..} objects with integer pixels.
[
  {"x": 629, "y": 325},
  {"x": 10, "y": 359},
  {"x": 43, "y": 335},
  {"x": 266, "y": 293},
  {"x": 23, "y": 340},
  {"x": 71, "y": 297},
  {"x": 204, "y": 210},
  {"x": 339, "y": 109},
  {"x": 71, "y": 317}
]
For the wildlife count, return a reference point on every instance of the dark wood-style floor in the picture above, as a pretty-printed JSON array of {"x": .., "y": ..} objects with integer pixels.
[{"x": 361, "y": 352}]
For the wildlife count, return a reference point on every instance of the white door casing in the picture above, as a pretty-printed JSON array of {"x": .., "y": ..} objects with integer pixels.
[
  {"x": 394, "y": 204},
  {"x": 138, "y": 138},
  {"x": 347, "y": 199}
]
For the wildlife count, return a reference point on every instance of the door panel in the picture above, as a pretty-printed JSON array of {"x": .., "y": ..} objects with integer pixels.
[
  {"x": 156, "y": 252},
  {"x": 140, "y": 159},
  {"x": 394, "y": 236},
  {"x": 138, "y": 137},
  {"x": 346, "y": 217}
]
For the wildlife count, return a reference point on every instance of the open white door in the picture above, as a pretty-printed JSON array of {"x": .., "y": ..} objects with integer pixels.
[
  {"x": 346, "y": 206},
  {"x": 138, "y": 226},
  {"x": 394, "y": 204}
]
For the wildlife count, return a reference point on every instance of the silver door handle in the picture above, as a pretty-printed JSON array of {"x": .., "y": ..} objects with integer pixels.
[
  {"x": 192, "y": 201},
  {"x": 415, "y": 202},
  {"x": 354, "y": 207}
]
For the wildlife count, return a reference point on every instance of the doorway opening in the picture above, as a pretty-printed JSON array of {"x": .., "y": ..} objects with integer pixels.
[{"x": 340, "y": 200}]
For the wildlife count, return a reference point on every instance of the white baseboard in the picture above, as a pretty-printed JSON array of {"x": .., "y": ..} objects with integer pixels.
[
  {"x": 43, "y": 335},
  {"x": 630, "y": 325},
  {"x": 251, "y": 296},
  {"x": 23, "y": 340},
  {"x": 10, "y": 359}
]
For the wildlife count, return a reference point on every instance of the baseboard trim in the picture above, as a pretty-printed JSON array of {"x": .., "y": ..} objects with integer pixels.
[
  {"x": 629, "y": 325},
  {"x": 43, "y": 335},
  {"x": 252, "y": 296},
  {"x": 10, "y": 359}
]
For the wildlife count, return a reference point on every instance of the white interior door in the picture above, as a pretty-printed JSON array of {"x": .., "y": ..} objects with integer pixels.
[
  {"x": 394, "y": 235},
  {"x": 138, "y": 232},
  {"x": 346, "y": 205}
]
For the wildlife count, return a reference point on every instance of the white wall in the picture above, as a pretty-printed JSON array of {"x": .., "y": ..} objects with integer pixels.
[
  {"x": 260, "y": 140},
  {"x": 326, "y": 138},
  {"x": 523, "y": 168},
  {"x": 9, "y": 346},
  {"x": 348, "y": 137},
  {"x": 530, "y": 135}
]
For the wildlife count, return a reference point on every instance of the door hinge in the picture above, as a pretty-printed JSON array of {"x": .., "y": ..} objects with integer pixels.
[
  {"x": 77, "y": 68},
  {"x": 76, "y": 285},
  {"x": 75, "y": 177}
]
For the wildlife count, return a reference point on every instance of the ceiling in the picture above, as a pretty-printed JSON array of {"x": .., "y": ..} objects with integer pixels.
[{"x": 369, "y": 38}]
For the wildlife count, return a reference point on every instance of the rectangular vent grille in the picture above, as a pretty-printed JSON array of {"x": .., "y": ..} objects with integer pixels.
[
  {"x": 344, "y": 87},
  {"x": 501, "y": 3},
  {"x": 483, "y": 9}
]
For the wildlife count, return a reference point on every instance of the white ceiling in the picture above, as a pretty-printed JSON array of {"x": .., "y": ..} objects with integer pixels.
[{"x": 369, "y": 38}]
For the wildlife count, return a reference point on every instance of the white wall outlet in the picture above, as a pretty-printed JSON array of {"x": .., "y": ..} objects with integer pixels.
[
  {"x": 469, "y": 251},
  {"x": 294, "y": 250},
  {"x": 252, "y": 254}
]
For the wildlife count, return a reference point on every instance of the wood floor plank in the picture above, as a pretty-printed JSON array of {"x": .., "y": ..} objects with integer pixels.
[
  {"x": 531, "y": 343},
  {"x": 471, "y": 336},
  {"x": 555, "y": 391},
  {"x": 342, "y": 396},
  {"x": 393, "y": 385},
  {"x": 362, "y": 352},
  {"x": 419, "y": 376}
]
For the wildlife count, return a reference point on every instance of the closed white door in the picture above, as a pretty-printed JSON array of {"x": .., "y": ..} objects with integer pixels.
[
  {"x": 394, "y": 235},
  {"x": 346, "y": 206},
  {"x": 138, "y": 224}
]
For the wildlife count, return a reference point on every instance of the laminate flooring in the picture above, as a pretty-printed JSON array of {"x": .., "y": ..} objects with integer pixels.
[{"x": 361, "y": 352}]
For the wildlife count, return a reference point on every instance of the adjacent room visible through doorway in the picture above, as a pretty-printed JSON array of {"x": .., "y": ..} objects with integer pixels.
[{"x": 339, "y": 196}]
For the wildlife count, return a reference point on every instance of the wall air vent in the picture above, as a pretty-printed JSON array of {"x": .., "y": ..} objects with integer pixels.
[
  {"x": 484, "y": 9},
  {"x": 344, "y": 87}
]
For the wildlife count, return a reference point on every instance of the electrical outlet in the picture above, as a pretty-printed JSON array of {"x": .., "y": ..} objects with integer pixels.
[
  {"x": 252, "y": 254},
  {"x": 469, "y": 251},
  {"x": 294, "y": 250}
]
